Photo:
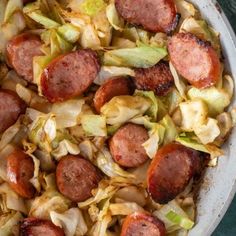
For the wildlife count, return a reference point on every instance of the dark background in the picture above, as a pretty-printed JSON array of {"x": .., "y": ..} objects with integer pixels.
[{"x": 227, "y": 227}]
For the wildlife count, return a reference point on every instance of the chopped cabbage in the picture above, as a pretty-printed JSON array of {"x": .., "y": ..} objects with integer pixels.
[
  {"x": 65, "y": 147},
  {"x": 9, "y": 223},
  {"x": 106, "y": 164},
  {"x": 118, "y": 43},
  {"x": 92, "y": 7},
  {"x": 66, "y": 113},
  {"x": 50, "y": 200},
  {"x": 208, "y": 131},
  {"x": 194, "y": 113},
  {"x": 120, "y": 109},
  {"x": 12, "y": 200},
  {"x": 43, "y": 131},
  {"x": 191, "y": 142},
  {"x": 144, "y": 56},
  {"x": 113, "y": 17},
  {"x": 46, "y": 161},
  {"x": 94, "y": 125},
  {"x": 11, "y": 7},
  {"x": 89, "y": 37},
  {"x": 69, "y": 32},
  {"x": 216, "y": 99},
  {"x": 185, "y": 8},
  {"x": 87, "y": 149},
  {"x": 153, "y": 110},
  {"x": 125, "y": 208},
  {"x": 108, "y": 72},
  {"x": 179, "y": 83},
  {"x": 182, "y": 221},
  {"x": 156, "y": 136},
  {"x": 228, "y": 85},
  {"x": 72, "y": 221}
]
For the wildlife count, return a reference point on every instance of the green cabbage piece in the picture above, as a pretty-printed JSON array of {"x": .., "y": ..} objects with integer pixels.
[
  {"x": 182, "y": 221},
  {"x": 216, "y": 99},
  {"x": 144, "y": 56},
  {"x": 92, "y": 7},
  {"x": 69, "y": 32},
  {"x": 113, "y": 17},
  {"x": 11, "y": 7},
  {"x": 94, "y": 125},
  {"x": 153, "y": 110},
  {"x": 9, "y": 223},
  {"x": 121, "y": 109}
]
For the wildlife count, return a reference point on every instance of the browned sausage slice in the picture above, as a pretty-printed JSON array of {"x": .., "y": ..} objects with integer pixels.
[
  {"x": 20, "y": 52},
  {"x": 138, "y": 224},
  {"x": 153, "y": 15},
  {"x": 20, "y": 169},
  {"x": 157, "y": 78},
  {"x": 194, "y": 59},
  {"x": 171, "y": 170},
  {"x": 76, "y": 177},
  {"x": 126, "y": 145},
  {"x": 69, "y": 75},
  {"x": 39, "y": 227},
  {"x": 11, "y": 106},
  {"x": 114, "y": 87}
]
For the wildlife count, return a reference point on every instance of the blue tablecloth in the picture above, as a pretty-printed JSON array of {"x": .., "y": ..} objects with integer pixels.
[{"x": 227, "y": 227}]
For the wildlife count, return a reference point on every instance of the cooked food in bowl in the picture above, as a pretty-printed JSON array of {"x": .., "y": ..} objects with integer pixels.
[{"x": 110, "y": 113}]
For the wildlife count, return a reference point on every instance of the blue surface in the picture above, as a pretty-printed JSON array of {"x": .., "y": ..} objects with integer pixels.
[{"x": 227, "y": 227}]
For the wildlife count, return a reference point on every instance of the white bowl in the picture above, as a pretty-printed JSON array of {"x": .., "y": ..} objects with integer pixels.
[{"x": 219, "y": 184}]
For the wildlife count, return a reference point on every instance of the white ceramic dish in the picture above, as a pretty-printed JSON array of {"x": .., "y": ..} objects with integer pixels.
[{"x": 219, "y": 184}]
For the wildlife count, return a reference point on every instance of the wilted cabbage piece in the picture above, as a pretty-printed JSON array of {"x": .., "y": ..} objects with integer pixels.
[
  {"x": 66, "y": 113},
  {"x": 91, "y": 7},
  {"x": 72, "y": 221},
  {"x": 125, "y": 208},
  {"x": 9, "y": 223},
  {"x": 185, "y": 8},
  {"x": 120, "y": 109},
  {"x": 216, "y": 99},
  {"x": 141, "y": 57},
  {"x": 50, "y": 200},
  {"x": 69, "y": 32},
  {"x": 10, "y": 200},
  {"x": 94, "y": 125},
  {"x": 11, "y": 7},
  {"x": 113, "y": 17}
]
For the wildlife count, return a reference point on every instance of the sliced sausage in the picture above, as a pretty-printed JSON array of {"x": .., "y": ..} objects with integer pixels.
[
  {"x": 138, "y": 224},
  {"x": 20, "y": 52},
  {"x": 69, "y": 75},
  {"x": 152, "y": 15},
  {"x": 39, "y": 227},
  {"x": 20, "y": 169},
  {"x": 171, "y": 170},
  {"x": 114, "y": 87},
  {"x": 194, "y": 59},
  {"x": 76, "y": 177},
  {"x": 126, "y": 145},
  {"x": 11, "y": 106},
  {"x": 157, "y": 78}
]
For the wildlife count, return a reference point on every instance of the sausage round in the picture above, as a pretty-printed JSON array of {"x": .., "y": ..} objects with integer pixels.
[
  {"x": 11, "y": 106},
  {"x": 194, "y": 59},
  {"x": 138, "y": 224},
  {"x": 157, "y": 78},
  {"x": 20, "y": 169},
  {"x": 69, "y": 75},
  {"x": 114, "y": 87},
  {"x": 39, "y": 227},
  {"x": 76, "y": 177},
  {"x": 152, "y": 15},
  {"x": 20, "y": 52},
  {"x": 126, "y": 145},
  {"x": 170, "y": 171}
]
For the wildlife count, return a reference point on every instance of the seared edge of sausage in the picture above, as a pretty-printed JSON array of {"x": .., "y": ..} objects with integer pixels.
[
  {"x": 157, "y": 78},
  {"x": 142, "y": 224},
  {"x": 207, "y": 62},
  {"x": 20, "y": 169},
  {"x": 171, "y": 170},
  {"x": 114, "y": 87},
  {"x": 39, "y": 227},
  {"x": 126, "y": 145},
  {"x": 76, "y": 177}
]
